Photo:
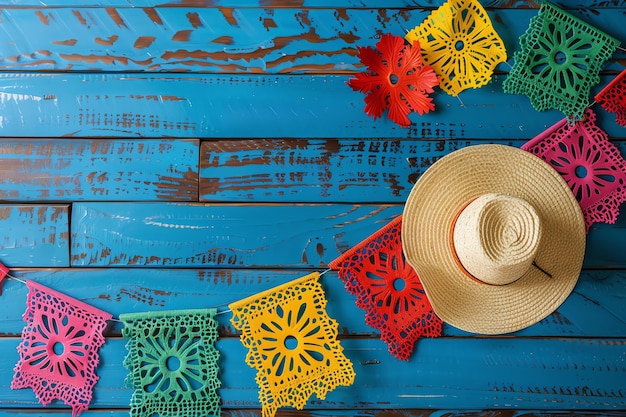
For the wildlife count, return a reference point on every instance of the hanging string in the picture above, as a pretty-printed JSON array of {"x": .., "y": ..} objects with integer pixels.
[
  {"x": 228, "y": 310},
  {"x": 574, "y": 119},
  {"x": 24, "y": 282},
  {"x": 16, "y": 279},
  {"x": 322, "y": 273}
]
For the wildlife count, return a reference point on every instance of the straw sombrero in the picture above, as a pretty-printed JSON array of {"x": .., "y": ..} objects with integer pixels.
[{"x": 496, "y": 236}]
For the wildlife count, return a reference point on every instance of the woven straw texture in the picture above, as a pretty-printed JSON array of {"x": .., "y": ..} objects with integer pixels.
[
  {"x": 441, "y": 193},
  {"x": 496, "y": 238}
]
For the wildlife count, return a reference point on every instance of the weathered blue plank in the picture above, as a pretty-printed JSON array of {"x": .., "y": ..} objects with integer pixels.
[
  {"x": 606, "y": 243},
  {"x": 92, "y": 169},
  {"x": 220, "y": 106},
  {"x": 240, "y": 236},
  {"x": 234, "y": 412},
  {"x": 316, "y": 170},
  {"x": 34, "y": 235},
  {"x": 584, "y": 4},
  {"x": 195, "y": 235},
  {"x": 226, "y": 40},
  {"x": 472, "y": 373},
  {"x": 594, "y": 309}
]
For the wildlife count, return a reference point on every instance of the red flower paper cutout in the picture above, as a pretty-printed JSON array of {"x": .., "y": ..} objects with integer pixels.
[{"x": 396, "y": 79}]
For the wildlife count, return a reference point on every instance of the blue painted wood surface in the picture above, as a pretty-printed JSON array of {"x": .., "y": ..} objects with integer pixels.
[
  {"x": 34, "y": 233},
  {"x": 288, "y": 235},
  {"x": 98, "y": 169},
  {"x": 187, "y": 235},
  {"x": 298, "y": 170},
  {"x": 188, "y": 154},
  {"x": 245, "y": 106},
  {"x": 225, "y": 40},
  {"x": 550, "y": 373},
  {"x": 593, "y": 310},
  {"x": 429, "y": 4},
  {"x": 349, "y": 413}
]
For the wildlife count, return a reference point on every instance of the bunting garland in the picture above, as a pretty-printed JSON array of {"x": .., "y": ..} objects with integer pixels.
[
  {"x": 172, "y": 362},
  {"x": 591, "y": 165},
  {"x": 389, "y": 290},
  {"x": 458, "y": 40},
  {"x": 292, "y": 343},
  {"x": 559, "y": 61},
  {"x": 612, "y": 98},
  {"x": 59, "y": 348}
]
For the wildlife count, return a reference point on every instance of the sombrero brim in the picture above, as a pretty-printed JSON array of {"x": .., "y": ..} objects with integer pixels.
[{"x": 441, "y": 193}]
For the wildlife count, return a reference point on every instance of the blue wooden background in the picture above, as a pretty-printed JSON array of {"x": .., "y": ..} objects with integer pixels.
[{"x": 185, "y": 154}]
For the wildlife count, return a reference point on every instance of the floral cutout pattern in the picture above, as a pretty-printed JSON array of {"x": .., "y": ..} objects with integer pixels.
[
  {"x": 292, "y": 343},
  {"x": 59, "y": 348},
  {"x": 612, "y": 98},
  {"x": 389, "y": 290},
  {"x": 458, "y": 40},
  {"x": 172, "y": 362},
  {"x": 591, "y": 165},
  {"x": 396, "y": 79},
  {"x": 559, "y": 60}
]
